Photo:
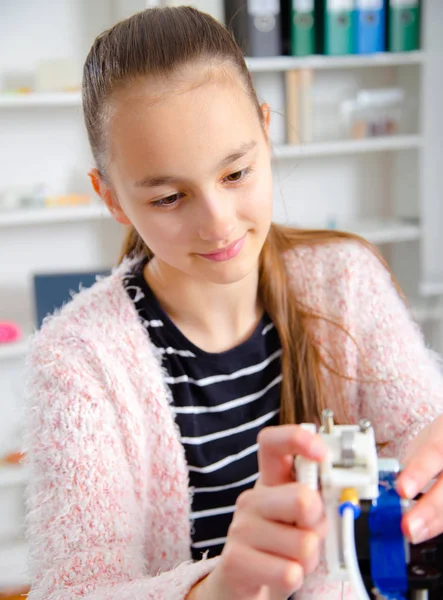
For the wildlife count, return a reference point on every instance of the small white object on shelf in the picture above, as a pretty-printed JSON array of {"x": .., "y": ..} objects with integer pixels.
[
  {"x": 343, "y": 147},
  {"x": 36, "y": 99},
  {"x": 59, "y": 214},
  {"x": 382, "y": 59}
]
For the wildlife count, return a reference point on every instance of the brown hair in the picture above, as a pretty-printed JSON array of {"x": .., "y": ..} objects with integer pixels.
[{"x": 159, "y": 42}]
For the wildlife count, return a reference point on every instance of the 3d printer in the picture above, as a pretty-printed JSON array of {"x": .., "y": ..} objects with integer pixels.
[{"x": 365, "y": 544}]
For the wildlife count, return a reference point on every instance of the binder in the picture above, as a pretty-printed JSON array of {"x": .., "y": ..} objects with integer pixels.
[
  {"x": 338, "y": 26},
  {"x": 404, "y": 25},
  {"x": 370, "y": 29},
  {"x": 256, "y": 25},
  {"x": 303, "y": 27}
]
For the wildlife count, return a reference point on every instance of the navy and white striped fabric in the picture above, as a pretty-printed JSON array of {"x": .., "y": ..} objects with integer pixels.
[{"x": 221, "y": 402}]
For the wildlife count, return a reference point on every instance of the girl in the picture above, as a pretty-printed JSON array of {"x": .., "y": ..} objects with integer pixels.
[{"x": 164, "y": 399}]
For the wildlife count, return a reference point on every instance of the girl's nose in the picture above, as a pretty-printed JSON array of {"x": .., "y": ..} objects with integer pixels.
[{"x": 217, "y": 220}]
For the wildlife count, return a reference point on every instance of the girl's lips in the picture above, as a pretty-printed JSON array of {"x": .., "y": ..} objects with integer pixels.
[{"x": 227, "y": 252}]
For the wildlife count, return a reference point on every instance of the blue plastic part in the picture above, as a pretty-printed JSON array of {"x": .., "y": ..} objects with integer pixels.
[
  {"x": 387, "y": 547},
  {"x": 355, "y": 508}
]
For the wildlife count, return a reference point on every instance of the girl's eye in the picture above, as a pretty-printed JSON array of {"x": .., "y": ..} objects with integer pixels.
[
  {"x": 168, "y": 201},
  {"x": 238, "y": 175}
]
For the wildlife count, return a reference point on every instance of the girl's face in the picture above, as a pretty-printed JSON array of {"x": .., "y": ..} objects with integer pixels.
[{"x": 190, "y": 169}]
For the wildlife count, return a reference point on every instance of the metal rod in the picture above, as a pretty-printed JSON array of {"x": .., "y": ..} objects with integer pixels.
[
  {"x": 365, "y": 425},
  {"x": 327, "y": 419}
]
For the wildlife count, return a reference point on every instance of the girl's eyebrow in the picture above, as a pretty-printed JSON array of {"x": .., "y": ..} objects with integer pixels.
[
  {"x": 159, "y": 180},
  {"x": 237, "y": 154}
]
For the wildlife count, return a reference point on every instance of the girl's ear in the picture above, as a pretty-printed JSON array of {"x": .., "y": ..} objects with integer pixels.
[{"x": 108, "y": 197}]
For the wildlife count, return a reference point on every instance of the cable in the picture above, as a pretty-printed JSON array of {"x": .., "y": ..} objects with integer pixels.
[{"x": 350, "y": 554}]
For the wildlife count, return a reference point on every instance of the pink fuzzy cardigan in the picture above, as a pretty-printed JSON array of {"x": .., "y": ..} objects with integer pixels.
[{"x": 108, "y": 499}]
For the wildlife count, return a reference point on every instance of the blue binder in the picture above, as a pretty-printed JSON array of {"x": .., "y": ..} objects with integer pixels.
[
  {"x": 53, "y": 290},
  {"x": 370, "y": 28}
]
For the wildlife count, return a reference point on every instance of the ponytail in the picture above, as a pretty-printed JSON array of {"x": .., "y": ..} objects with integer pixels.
[
  {"x": 302, "y": 397},
  {"x": 133, "y": 245}
]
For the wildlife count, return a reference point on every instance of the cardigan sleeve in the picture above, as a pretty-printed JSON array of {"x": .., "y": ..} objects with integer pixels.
[
  {"x": 85, "y": 519},
  {"x": 400, "y": 385}
]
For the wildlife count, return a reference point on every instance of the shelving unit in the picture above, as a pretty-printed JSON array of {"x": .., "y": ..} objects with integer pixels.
[
  {"x": 40, "y": 100},
  {"x": 285, "y": 63},
  {"x": 342, "y": 147},
  {"x": 60, "y": 214}
]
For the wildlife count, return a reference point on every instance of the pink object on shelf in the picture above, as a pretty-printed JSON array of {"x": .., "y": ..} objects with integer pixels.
[{"x": 9, "y": 332}]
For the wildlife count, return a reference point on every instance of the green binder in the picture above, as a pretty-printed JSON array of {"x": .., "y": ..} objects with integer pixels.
[
  {"x": 404, "y": 25},
  {"x": 338, "y": 26},
  {"x": 303, "y": 28}
]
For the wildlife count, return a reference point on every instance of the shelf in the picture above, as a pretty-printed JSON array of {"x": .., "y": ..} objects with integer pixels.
[
  {"x": 343, "y": 147},
  {"x": 36, "y": 99},
  {"x": 352, "y": 61},
  {"x": 256, "y": 65},
  {"x": 11, "y": 476},
  {"x": 13, "y": 562},
  {"x": 13, "y": 350},
  {"x": 60, "y": 214},
  {"x": 380, "y": 231},
  {"x": 376, "y": 231}
]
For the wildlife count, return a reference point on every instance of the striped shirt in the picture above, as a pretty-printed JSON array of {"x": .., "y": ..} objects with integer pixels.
[{"x": 221, "y": 401}]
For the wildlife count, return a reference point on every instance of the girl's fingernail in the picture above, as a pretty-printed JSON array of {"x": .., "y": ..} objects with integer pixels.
[
  {"x": 418, "y": 531},
  {"x": 409, "y": 488}
]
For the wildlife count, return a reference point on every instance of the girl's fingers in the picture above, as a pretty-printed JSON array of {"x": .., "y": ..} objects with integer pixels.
[
  {"x": 425, "y": 463},
  {"x": 277, "y": 448},
  {"x": 291, "y": 503},
  {"x": 246, "y": 569},
  {"x": 425, "y": 519},
  {"x": 278, "y": 539}
]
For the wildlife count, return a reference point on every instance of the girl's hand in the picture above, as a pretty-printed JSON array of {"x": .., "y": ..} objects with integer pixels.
[
  {"x": 278, "y": 526},
  {"x": 424, "y": 462}
]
